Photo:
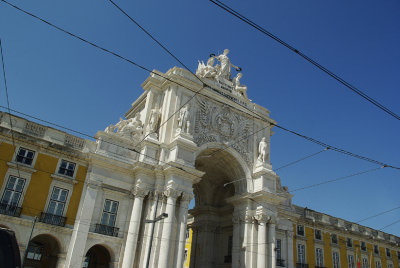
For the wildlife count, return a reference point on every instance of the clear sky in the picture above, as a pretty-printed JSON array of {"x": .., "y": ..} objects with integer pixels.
[{"x": 60, "y": 79}]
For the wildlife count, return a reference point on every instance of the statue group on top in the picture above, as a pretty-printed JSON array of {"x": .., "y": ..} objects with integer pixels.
[
  {"x": 131, "y": 128},
  {"x": 222, "y": 70}
]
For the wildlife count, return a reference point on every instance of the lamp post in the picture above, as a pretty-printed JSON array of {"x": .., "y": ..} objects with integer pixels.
[{"x": 156, "y": 219}]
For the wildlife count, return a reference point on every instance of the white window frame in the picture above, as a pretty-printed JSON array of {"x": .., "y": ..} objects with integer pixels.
[
  {"x": 22, "y": 174},
  {"x": 6, "y": 181},
  {"x": 378, "y": 264},
  {"x": 319, "y": 257},
  {"x": 351, "y": 240},
  {"x": 337, "y": 239},
  {"x": 351, "y": 261},
  {"x": 315, "y": 234},
  {"x": 57, "y": 201},
  {"x": 361, "y": 243},
  {"x": 387, "y": 250},
  {"x": 60, "y": 161},
  {"x": 62, "y": 185},
  {"x": 333, "y": 259},
  {"x": 18, "y": 148},
  {"x": 278, "y": 248},
  {"x": 364, "y": 262},
  {"x": 297, "y": 230},
  {"x": 109, "y": 212},
  {"x": 389, "y": 265},
  {"x": 304, "y": 253}
]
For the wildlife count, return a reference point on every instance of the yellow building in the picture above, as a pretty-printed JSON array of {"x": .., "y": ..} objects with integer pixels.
[{"x": 42, "y": 175}]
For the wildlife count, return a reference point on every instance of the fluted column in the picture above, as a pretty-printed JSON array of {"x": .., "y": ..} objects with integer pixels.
[
  {"x": 271, "y": 245},
  {"x": 133, "y": 230},
  {"x": 262, "y": 241},
  {"x": 236, "y": 242},
  {"x": 289, "y": 249},
  {"x": 167, "y": 228},
  {"x": 183, "y": 211}
]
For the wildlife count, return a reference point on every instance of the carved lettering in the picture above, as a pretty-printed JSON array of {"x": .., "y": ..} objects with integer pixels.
[{"x": 34, "y": 129}]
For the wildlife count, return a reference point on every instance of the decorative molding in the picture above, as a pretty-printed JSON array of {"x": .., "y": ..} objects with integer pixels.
[
  {"x": 34, "y": 129},
  {"x": 74, "y": 142},
  {"x": 171, "y": 193},
  {"x": 64, "y": 178}
]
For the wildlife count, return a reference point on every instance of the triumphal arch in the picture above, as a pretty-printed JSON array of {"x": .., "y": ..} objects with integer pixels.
[{"x": 191, "y": 137}]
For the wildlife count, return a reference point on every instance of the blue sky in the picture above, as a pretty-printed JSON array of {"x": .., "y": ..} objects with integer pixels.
[{"x": 60, "y": 79}]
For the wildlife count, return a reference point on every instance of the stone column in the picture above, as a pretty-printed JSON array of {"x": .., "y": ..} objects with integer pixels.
[
  {"x": 183, "y": 212},
  {"x": 289, "y": 249},
  {"x": 61, "y": 260},
  {"x": 236, "y": 242},
  {"x": 133, "y": 229},
  {"x": 193, "y": 250},
  {"x": 247, "y": 240},
  {"x": 271, "y": 245},
  {"x": 76, "y": 251},
  {"x": 262, "y": 241},
  {"x": 167, "y": 228}
]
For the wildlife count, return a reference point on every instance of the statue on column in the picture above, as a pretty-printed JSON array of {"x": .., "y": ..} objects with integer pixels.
[
  {"x": 184, "y": 119},
  {"x": 152, "y": 126},
  {"x": 263, "y": 150}
]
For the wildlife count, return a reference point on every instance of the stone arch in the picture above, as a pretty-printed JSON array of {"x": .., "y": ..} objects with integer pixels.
[
  {"x": 110, "y": 250},
  {"x": 98, "y": 256},
  {"x": 43, "y": 251},
  {"x": 225, "y": 176}
]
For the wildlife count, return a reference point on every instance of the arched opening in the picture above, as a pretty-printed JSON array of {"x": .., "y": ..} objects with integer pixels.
[
  {"x": 212, "y": 214},
  {"x": 42, "y": 252},
  {"x": 97, "y": 257}
]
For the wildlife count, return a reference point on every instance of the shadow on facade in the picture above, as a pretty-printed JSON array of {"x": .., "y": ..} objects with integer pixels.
[{"x": 97, "y": 257}]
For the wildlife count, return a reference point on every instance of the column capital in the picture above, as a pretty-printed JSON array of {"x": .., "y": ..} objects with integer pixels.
[
  {"x": 262, "y": 218},
  {"x": 139, "y": 192},
  {"x": 172, "y": 193},
  {"x": 186, "y": 197}
]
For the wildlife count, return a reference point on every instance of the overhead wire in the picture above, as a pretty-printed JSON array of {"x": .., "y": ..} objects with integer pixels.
[
  {"x": 258, "y": 116},
  {"x": 313, "y": 62},
  {"x": 301, "y": 159},
  {"x": 379, "y": 214}
]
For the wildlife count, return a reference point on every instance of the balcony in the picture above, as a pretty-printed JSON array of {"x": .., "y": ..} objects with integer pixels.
[
  {"x": 301, "y": 265},
  {"x": 106, "y": 230},
  {"x": 52, "y": 219},
  {"x": 280, "y": 262},
  {"x": 10, "y": 210}
]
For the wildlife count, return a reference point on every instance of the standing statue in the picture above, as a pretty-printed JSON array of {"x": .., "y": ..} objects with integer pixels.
[
  {"x": 153, "y": 121},
  {"x": 133, "y": 127},
  {"x": 262, "y": 150},
  {"x": 184, "y": 119},
  {"x": 238, "y": 89},
  {"x": 225, "y": 71}
]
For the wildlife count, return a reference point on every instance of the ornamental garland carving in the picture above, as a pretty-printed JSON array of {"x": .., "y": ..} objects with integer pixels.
[{"x": 214, "y": 123}]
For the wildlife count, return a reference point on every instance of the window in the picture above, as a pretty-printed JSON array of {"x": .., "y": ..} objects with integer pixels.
[
  {"x": 301, "y": 253},
  {"x": 57, "y": 201},
  {"x": 390, "y": 265},
  {"x": 34, "y": 252},
  {"x": 66, "y": 168},
  {"x": 398, "y": 255},
  {"x": 350, "y": 259},
  {"x": 318, "y": 235},
  {"x": 376, "y": 249},
  {"x": 388, "y": 254},
  {"x": 300, "y": 230},
  {"x": 186, "y": 255},
  {"x": 13, "y": 191},
  {"x": 109, "y": 212},
  {"x": 378, "y": 264},
  {"x": 278, "y": 247},
  {"x": 349, "y": 242},
  {"x": 334, "y": 239},
  {"x": 25, "y": 156},
  {"x": 187, "y": 233},
  {"x": 363, "y": 246},
  {"x": 365, "y": 263},
  {"x": 319, "y": 257},
  {"x": 336, "y": 261}
]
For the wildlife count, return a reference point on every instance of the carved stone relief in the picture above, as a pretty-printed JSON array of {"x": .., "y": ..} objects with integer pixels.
[{"x": 214, "y": 123}]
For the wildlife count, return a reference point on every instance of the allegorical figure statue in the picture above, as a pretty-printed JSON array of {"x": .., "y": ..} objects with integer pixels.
[
  {"x": 153, "y": 121},
  {"x": 239, "y": 89},
  {"x": 184, "y": 119},
  {"x": 226, "y": 65},
  {"x": 130, "y": 128},
  {"x": 262, "y": 150}
]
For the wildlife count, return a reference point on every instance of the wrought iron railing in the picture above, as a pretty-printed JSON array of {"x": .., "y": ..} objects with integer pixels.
[
  {"x": 10, "y": 210},
  {"x": 52, "y": 219},
  {"x": 106, "y": 230},
  {"x": 301, "y": 265},
  {"x": 280, "y": 262}
]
